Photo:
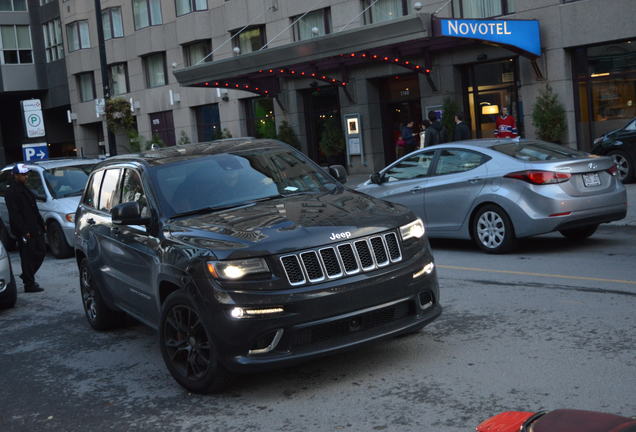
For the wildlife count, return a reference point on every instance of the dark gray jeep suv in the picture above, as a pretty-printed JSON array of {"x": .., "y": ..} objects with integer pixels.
[{"x": 246, "y": 255}]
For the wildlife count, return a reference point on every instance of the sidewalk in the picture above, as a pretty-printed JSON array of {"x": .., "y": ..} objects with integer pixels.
[{"x": 630, "y": 219}]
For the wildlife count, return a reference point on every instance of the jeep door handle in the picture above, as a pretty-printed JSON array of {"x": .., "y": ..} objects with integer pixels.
[{"x": 90, "y": 221}]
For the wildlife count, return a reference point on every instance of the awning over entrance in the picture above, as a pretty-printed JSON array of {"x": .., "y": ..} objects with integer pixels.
[{"x": 329, "y": 58}]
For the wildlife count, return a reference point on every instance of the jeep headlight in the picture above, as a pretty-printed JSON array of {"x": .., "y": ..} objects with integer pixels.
[
  {"x": 236, "y": 269},
  {"x": 414, "y": 229}
]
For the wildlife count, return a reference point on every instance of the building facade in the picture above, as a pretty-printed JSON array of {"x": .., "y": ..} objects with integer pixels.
[
  {"x": 309, "y": 64},
  {"x": 32, "y": 66}
]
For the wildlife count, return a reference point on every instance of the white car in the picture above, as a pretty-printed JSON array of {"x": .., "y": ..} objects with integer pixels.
[
  {"x": 58, "y": 185},
  {"x": 8, "y": 291}
]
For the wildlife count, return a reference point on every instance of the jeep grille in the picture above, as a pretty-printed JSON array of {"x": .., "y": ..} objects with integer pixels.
[{"x": 343, "y": 259}]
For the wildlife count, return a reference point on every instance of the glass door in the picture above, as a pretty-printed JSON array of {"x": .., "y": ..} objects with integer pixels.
[{"x": 488, "y": 88}]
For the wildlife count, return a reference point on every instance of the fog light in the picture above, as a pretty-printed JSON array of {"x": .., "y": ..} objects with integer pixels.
[
  {"x": 427, "y": 269},
  {"x": 239, "y": 312}
]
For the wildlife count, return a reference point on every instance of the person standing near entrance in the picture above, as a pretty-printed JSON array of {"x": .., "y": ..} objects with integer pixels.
[
  {"x": 506, "y": 125},
  {"x": 461, "y": 129},
  {"x": 408, "y": 137},
  {"x": 435, "y": 130},
  {"x": 426, "y": 134},
  {"x": 27, "y": 226}
]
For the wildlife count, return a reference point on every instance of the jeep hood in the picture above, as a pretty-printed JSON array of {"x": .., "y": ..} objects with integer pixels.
[{"x": 288, "y": 224}]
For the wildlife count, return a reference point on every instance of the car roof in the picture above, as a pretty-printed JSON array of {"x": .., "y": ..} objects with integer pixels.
[
  {"x": 478, "y": 143},
  {"x": 176, "y": 153},
  {"x": 55, "y": 163}
]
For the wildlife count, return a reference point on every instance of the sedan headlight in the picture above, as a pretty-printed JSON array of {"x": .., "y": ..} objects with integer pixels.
[
  {"x": 598, "y": 140},
  {"x": 236, "y": 269},
  {"x": 414, "y": 229}
]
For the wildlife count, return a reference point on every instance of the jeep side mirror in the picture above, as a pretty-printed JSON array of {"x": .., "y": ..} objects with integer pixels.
[
  {"x": 128, "y": 214},
  {"x": 376, "y": 178},
  {"x": 338, "y": 172}
]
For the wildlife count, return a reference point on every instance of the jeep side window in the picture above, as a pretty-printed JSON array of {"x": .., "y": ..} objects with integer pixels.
[
  {"x": 108, "y": 197},
  {"x": 92, "y": 189},
  {"x": 132, "y": 191}
]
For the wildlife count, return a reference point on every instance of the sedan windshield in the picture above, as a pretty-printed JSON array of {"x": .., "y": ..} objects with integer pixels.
[
  {"x": 534, "y": 151},
  {"x": 225, "y": 180},
  {"x": 67, "y": 181}
]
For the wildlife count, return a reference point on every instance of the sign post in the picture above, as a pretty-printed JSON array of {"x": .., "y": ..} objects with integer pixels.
[
  {"x": 354, "y": 137},
  {"x": 33, "y": 118},
  {"x": 35, "y": 152}
]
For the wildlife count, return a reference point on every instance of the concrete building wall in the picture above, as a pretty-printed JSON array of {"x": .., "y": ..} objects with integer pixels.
[{"x": 563, "y": 25}]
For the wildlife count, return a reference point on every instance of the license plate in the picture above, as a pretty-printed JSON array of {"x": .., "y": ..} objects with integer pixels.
[{"x": 591, "y": 179}]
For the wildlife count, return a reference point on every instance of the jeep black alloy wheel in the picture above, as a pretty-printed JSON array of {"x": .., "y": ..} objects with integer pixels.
[
  {"x": 187, "y": 348},
  {"x": 99, "y": 315},
  {"x": 88, "y": 294}
]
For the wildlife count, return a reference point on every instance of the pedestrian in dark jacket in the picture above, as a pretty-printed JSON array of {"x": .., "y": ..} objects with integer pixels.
[
  {"x": 426, "y": 134},
  {"x": 408, "y": 137},
  {"x": 462, "y": 132},
  {"x": 27, "y": 227},
  {"x": 435, "y": 130}
]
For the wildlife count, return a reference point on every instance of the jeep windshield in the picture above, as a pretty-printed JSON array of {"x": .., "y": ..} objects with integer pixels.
[{"x": 220, "y": 181}]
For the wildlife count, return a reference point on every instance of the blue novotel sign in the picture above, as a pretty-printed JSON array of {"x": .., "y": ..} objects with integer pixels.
[{"x": 520, "y": 34}]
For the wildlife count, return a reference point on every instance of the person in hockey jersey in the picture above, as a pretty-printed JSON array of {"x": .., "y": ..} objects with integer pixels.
[{"x": 506, "y": 125}]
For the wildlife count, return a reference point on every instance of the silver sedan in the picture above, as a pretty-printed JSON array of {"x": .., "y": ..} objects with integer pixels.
[{"x": 496, "y": 191}]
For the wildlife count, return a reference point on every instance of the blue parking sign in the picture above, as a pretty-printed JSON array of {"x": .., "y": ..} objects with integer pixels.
[{"x": 35, "y": 152}]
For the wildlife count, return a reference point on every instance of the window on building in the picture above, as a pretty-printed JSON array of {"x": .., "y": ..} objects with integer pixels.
[
  {"x": 112, "y": 23},
  {"x": 250, "y": 39},
  {"x": 53, "y": 45},
  {"x": 483, "y": 8},
  {"x": 259, "y": 113},
  {"x": 146, "y": 13},
  {"x": 15, "y": 43},
  {"x": 195, "y": 52},
  {"x": 604, "y": 88},
  {"x": 316, "y": 23},
  {"x": 384, "y": 10},
  {"x": 155, "y": 70},
  {"x": 86, "y": 86},
  {"x": 118, "y": 78},
  {"x": 187, "y": 6},
  {"x": 208, "y": 122},
  {"x": 13, "y": 5},
  {"x": 77, "y": 35}
]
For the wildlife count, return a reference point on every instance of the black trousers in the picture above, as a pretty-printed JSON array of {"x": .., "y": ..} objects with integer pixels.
[{"x": 32, "y": 253}]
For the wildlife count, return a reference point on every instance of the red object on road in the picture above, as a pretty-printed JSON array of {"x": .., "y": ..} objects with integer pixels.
[
  {"x": 562, "y": 420},
  {"x": 509, "y": 421}
]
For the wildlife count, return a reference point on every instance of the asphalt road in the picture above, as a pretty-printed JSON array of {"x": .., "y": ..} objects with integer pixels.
[{"x": 549, "y": 326}]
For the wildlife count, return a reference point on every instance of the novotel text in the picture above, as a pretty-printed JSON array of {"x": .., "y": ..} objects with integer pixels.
[{"x": 457, "y": 28}]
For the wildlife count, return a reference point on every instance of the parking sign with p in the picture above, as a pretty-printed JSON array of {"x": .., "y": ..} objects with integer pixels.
[{"x": 35, "y": 152}]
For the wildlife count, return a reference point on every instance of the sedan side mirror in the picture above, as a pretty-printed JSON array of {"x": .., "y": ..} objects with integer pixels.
[
  {"x": 128, "y": 214},
  {"x": 376, "y": 178},
  {"x": 338, "y": 172}
]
